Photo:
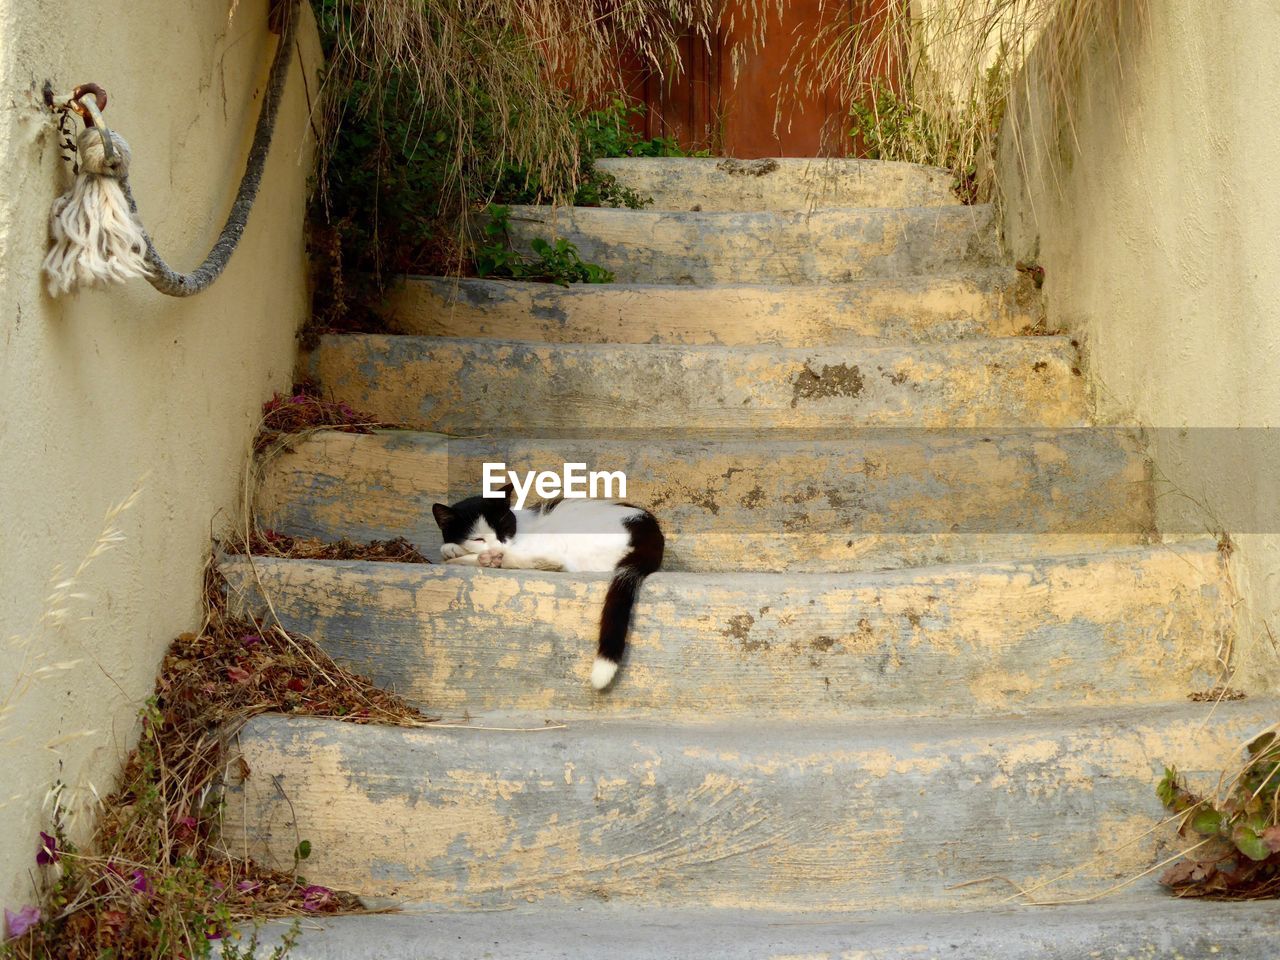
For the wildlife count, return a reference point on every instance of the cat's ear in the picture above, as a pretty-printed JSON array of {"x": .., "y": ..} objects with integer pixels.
[
  {"x": 507, "y": 492},
  {"x": 442, "y": 512}
]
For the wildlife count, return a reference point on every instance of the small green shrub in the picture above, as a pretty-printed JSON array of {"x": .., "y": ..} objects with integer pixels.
[
  {"x": 896, "y": 127},
  {"x": 557, "y": 262},
  {"x": 387, "y": 206},
  {"x": 1237, "y": 855},
  {"x": 601, "y": 133},
  {"x": 607, "y": 133}
]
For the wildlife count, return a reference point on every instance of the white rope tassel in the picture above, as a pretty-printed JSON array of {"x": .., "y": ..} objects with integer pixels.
[{"x": 96, "y": 237}]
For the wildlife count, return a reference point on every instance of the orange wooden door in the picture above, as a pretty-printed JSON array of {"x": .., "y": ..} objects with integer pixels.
[
  {"x": 759, "y": 109},
  {"x": 762, "y": 113},
  {"x": 681, "y": 108}
]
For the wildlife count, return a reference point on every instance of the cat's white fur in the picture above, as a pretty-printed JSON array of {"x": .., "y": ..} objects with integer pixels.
[
  {"x": 578, "y": 536},
  {"x": 556, "y": 540}
]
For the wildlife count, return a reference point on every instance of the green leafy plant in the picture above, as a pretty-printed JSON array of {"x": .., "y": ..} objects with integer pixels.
[
  {"x": 500, "y": 74},
  {"x": 386, "y": 209},
  {"x": 608, "y": 132},
  {"x": 435, "y": 109},
  {"x": 890, "y": 126},
  {"x": 1237, "y": 855},
  {"x": 557, "y": 262},
  {"x": 249, "y": 949}
]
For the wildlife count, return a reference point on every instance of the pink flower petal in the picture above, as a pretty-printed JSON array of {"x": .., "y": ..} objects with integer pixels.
[
  {"x": 315, "y": 896},
  {"x": 48, "y": 852},
  {"x": 140, "y": 883},
  {"x": 22, "y": 921}
]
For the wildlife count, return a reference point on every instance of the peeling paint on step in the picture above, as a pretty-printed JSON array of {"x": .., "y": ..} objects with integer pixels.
[
  {"x": 823, "y": 246},
  {"x": 896, "y": 498},
  {"x": 469, "y": 387},
  {"x": 709, "y": 183},
  {"x": 901, "y": 309},
  {"x": 805, "y": 816},
  {"x": 1121, "y": 627}
]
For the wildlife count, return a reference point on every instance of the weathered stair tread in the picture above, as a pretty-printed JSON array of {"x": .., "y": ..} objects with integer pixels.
[
  {"x": 721, "y": 183},
  {"x": 826, "y": 246},
  {"x": 1127, "y": 626},
  {"x": 470, "y": 387},
  {"x": 876, "y": 499},
  {"x": 801, "y": 815},
  {"x": 1148, "y": 927},
  {"x": 990, "y": 303}
]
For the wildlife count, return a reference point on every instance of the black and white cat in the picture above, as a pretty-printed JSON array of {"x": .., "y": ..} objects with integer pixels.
[{"x": 576, "y": 536}]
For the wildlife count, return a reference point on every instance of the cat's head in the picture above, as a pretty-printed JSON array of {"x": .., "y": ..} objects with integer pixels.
[{"x": 476, "y": 524}]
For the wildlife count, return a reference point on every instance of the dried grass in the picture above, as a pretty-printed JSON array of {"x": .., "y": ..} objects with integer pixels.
[
  {"x": 286, "y": 420},
  {"x": 268, "y": 543},
  {"x": 154, "y": 879},
  {"x": 505, "y": 80},
  {"x": 302, "y": 412},
  {"x": 157, "y": 880},
  {"x": 936, "y": 77},
  {"x": 31, "y": 650},
  {"x": 506, "y": 76}
]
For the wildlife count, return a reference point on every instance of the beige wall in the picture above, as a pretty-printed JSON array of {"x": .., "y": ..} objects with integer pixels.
[
  {"x": 953, "y": 33},
  {"x": 108, "y": 389},
  {"x": 1156, "y": 216}
]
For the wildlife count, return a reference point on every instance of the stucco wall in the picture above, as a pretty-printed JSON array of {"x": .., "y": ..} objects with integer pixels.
[
  {"x": 1154, "y": 209},
  {"x": 108, "y": 390}
]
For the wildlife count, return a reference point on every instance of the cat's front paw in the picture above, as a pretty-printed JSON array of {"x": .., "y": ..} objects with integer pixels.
[
  {"x": 451, "y": 551},
  {"x": 490, "y": 558}
]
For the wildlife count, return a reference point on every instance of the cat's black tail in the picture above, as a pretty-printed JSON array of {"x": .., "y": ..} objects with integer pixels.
[{"x": 644, "y": 558}]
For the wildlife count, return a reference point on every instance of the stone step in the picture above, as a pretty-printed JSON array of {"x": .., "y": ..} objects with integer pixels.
[
  {"x": 722, "y": 183},
  {"x": 1152, "y": 926},
  {"x": 1128, "y": 626},
  {"x": 470, "y": 387},
  {"x": 877, "y": 499},
  {"x": 783, "y": 816},
  {"x": 826, "y": 246},
  {"x": 991, "y": 303}
]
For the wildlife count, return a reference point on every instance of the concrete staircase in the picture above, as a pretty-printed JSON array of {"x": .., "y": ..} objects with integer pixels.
[{"x": 918, "y": 644}]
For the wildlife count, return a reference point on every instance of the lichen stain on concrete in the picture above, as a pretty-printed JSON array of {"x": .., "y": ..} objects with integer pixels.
[
  {"x": 739, "y": 629},
  {"x": 804, "y": 494},
  {"x": 897, "y": 379},
  {"x": 835, "y": 380},
  {"x": 747, "y": 168},
  {"x": 705, "y": 499}
]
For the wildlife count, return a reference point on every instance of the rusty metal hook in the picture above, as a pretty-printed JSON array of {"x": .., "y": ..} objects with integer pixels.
[
  {"x": 89, "y": 110},
  {"x": 82, "y": 91}
]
